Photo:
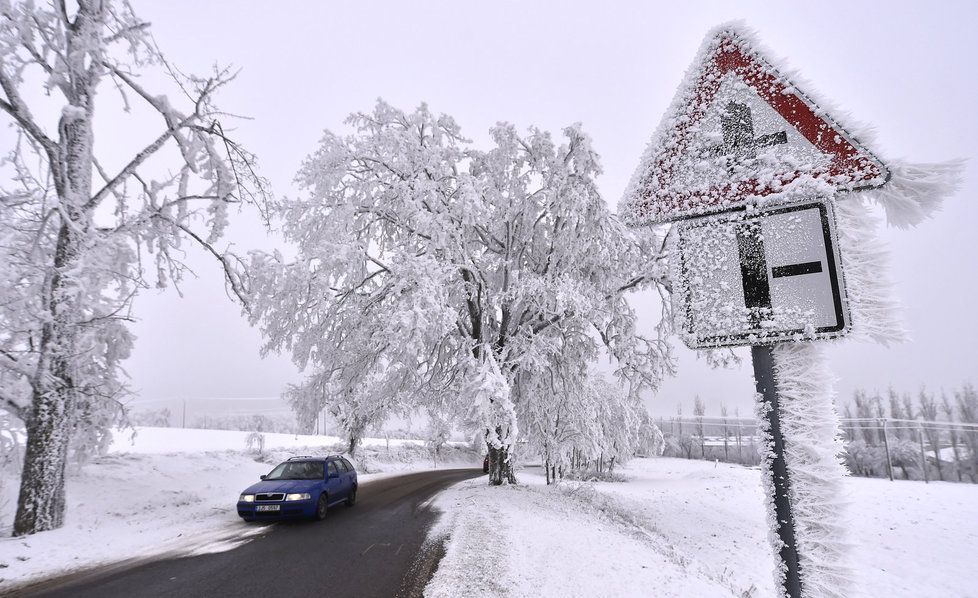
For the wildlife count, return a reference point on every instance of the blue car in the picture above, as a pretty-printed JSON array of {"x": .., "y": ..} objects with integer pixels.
[{"x": 302, "y": 487}]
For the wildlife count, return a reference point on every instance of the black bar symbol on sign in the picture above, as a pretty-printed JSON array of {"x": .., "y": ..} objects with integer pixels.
[
  {"x": 753, "y": 271},
  {"x": 796, "y": 269},
  {"x": 812, "y": 307}
]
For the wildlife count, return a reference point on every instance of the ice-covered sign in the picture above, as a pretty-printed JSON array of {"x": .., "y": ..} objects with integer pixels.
[
  {"x": 759, "y": 276},
  {"x": 737, "y": 131}
]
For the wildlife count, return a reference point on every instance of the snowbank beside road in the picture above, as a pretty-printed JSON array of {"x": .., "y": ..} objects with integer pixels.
[
  {"x": 528, "y": 541},
  {"x": 172, "y": 490},
  {"x": 689, "y": 528}
]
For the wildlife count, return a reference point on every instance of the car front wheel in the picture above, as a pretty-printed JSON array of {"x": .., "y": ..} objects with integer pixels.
[
  {"x": 321, "y": 507},
  {"x": 352, "y": 498}
]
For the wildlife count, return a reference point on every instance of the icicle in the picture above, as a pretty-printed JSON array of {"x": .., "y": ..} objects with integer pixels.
[
  {"x": 915, "y": 192},
  {"x": 813, "y": 453},
  {"x": 876, "y": 315},
  {"x": 761, "y": 409}
]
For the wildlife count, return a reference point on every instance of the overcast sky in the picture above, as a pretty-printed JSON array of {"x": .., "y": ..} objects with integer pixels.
[{"x": 907, "y": 70}]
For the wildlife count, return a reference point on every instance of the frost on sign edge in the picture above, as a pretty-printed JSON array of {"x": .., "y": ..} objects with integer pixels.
[
  {"x": 690, "y": 169},
  {"x": 797, "y": 293}
]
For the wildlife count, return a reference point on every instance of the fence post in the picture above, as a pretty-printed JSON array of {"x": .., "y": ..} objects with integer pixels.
[
  {"x": 886, "y": 446},
  {"x": 923, "y": 456}
]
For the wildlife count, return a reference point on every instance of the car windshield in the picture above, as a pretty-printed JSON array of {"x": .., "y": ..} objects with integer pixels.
[{"x": 297, "y": 470}]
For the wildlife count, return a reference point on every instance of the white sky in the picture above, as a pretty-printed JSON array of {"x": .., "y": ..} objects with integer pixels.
[{"x": 906, "y": 69}]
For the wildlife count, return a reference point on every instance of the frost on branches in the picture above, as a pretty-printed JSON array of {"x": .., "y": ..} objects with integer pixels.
[
  {"x": 429, "y": 272},
  {"x": 79, "y": 236}
]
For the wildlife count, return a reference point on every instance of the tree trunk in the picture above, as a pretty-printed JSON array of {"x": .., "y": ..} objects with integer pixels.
[
  {"x": 500, "y": 467},
  {"x": 957, "y": 456},
  {"x": 935, "y": 445},
  {"x": 41, "y": 503}
]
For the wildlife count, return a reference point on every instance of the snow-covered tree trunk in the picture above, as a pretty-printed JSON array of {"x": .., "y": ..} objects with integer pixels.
[{"x": 42, "y": 494}]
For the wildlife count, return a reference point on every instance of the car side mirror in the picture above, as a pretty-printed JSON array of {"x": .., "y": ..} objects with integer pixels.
[{"x": 263, "y": 476}]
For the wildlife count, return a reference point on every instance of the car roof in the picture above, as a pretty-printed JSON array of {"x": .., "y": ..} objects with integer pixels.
[{"x": 311, "y": 458}]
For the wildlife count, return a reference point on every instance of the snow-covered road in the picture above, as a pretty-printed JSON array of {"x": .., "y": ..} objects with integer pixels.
[{"x": 173, "y": 491}]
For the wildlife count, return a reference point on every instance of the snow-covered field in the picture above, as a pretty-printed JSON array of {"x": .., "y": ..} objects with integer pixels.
[
  {"x": 171, "y": 490},
  {"x": 690, "y": 528},
  {"x": 675, "y": 528}
]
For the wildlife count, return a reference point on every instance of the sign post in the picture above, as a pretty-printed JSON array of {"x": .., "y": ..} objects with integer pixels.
[
  {"x": 777, "y": 468},
  {"x": 747, "y": 167}
]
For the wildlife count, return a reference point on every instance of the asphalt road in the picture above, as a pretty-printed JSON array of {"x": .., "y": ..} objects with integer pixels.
[{"x": 375, "y": 548}]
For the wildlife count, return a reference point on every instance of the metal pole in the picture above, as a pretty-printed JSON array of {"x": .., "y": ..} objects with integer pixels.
[
  {"x": 923, "y": 455},
  {"x": 763, "y": 357},
  {"x": 886, "y": 446}
]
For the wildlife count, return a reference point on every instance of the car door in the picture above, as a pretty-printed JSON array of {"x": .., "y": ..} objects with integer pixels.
[
  {"x": 346, "y": 474},
  {"x": 352, "y": 473},
  {"x": 334, "y": 483}
]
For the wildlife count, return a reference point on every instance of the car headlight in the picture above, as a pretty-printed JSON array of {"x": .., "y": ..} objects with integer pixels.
[
  {"x": 301, "y": 496},
  {"x": 246, "y": 498}
]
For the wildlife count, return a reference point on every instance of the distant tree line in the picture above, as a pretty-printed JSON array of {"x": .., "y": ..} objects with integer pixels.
[
  {"x": 162, "y": 418},
  {"x": 728, "y": 438},
  {"x": 927, "y": 436},
  {"x": 932, "y": 437}
]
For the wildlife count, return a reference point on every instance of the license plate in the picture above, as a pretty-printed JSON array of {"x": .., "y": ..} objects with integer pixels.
[{"x": 267, "y": 507}]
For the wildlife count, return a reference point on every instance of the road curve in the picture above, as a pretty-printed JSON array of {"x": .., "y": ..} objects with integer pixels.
[{"x": 372, "y": 549}]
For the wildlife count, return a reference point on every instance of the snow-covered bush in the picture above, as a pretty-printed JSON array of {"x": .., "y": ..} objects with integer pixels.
[{"x": 255, "y": 443}]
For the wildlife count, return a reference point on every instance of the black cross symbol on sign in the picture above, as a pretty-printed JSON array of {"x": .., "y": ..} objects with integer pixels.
[
  {"x": 753, "y": 272},
  {"x": 738, "y": 133}
]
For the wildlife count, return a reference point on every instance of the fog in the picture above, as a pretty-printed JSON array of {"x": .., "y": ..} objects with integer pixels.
[{"x": 906, "y": 70}]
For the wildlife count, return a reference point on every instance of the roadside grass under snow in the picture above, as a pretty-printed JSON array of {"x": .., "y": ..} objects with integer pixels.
[
  {"x": 172, "y": 490},
  {"x": 689, "y": 528}
]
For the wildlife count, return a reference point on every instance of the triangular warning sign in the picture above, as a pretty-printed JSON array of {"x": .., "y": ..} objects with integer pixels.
[{"x": 738, "y": 131}]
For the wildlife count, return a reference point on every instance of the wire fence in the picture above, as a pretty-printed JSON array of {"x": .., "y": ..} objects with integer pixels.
[
  {"x": 269, "y": 414},
  {"x": 910, "y": 449}
]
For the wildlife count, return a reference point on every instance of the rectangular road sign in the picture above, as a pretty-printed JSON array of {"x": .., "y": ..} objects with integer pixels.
[{"x": 759, "y": 277}]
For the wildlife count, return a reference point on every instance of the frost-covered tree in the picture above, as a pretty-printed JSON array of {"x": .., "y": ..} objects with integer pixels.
[
  {"x": 929, "y": 411},
  {"x": 80, "y": 235},
  {"x": 569, "y": 410},
  {"x": 437, "y": 433},
  {"x": 948, "y": 409},
  {"x": 428, "y": 270},
  {"x": 967, "y": 403}
]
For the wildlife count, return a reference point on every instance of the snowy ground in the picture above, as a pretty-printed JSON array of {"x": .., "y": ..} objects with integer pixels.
[
  {"x": 172, "y": 490},
  {"x": 689, "y": 528}
]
